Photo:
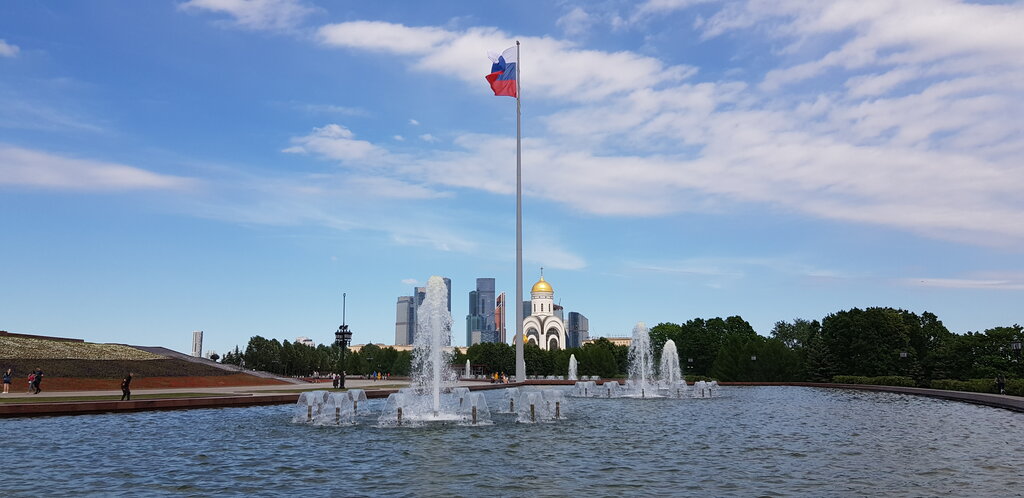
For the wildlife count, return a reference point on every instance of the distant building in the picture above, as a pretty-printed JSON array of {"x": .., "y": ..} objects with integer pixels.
[
  {"x": 577, "y": 330},
  {"x": 355, "y": 348},
  {"x": 305, "y": 341},
  {"x": 560, "y": 312},
  {"x": 499, "y": 318},
  {"x": 448, "y": 285},
  {"x": 197, "y": 343},
  {"x": 543, "y": 327},
  {"x": 618, "y": 341},
  {"x": 480, "y": 325},
  {"x": 405, "y": 320},
  {"x": 406, "y": 312}
]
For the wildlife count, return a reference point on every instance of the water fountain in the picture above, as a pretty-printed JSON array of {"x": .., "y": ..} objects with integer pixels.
[
  {"x": 510, "y": 400},
  {"x": 330, "y": 408},
  {"x": 703, "y": 389},
  {"x": 671, "y": 382},
  {"x": 433, "y": 396},
  {"x": 310, "y": 405},
  {"x": 585, "y": 389},
  {"x": 572, "y": 367},
  {"x": 469, "y": 371},
  {"x": 611, "y": 389},
  {"x": 669, "y": 372},
  {"x": 541, "y": 406},
  {"x": 641, "y": 365}
]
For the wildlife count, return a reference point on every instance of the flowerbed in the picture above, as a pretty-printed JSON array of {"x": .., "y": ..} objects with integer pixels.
[{"x": 31, "y": 348}]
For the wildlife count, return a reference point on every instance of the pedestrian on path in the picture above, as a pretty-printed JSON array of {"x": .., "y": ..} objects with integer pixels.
[
  {"x": 37, "y": 380},
  {"x": 31, "y": 381},
  {"x": 1001, "y": 384},
  {"x": 7, "y": 381},
  {"x": 126, "y": 388}
]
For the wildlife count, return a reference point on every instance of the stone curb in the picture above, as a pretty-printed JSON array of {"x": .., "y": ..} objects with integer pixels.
[
  {"x": 91, "y": 407},
  {"x": 58, "y": 408}
]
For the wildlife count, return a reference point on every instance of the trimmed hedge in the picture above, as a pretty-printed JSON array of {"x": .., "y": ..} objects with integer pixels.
[
  {"x": 695, "y": 378},
  {"x": 887, "y": 380},
  {"x": 1014, "y": 387}
]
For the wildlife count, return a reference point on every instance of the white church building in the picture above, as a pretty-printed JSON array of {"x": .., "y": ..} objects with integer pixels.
[{"x": 542, "y": 327}]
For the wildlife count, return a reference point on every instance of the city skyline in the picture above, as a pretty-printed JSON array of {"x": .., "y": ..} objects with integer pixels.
[{"x": 234, "y": 167}]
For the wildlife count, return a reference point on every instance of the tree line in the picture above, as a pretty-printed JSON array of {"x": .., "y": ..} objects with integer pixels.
[
  {"x": 297, "y": 359},
  {"x": 871, "y": 342}
]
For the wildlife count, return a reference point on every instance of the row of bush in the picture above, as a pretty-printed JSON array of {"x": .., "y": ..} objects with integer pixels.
[
  {"x": 1013, "y": 386},
  {"x": 885, "y": 380}
]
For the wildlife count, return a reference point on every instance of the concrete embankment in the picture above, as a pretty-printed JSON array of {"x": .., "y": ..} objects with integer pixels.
[
  {"x": 253, "y": 399},
  {"x": 226, "y": 401},
  {"x": 1014, "y": 403}
]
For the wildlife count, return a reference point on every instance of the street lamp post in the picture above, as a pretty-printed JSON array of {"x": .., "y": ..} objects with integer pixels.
[{"x": 342, "y": 338}]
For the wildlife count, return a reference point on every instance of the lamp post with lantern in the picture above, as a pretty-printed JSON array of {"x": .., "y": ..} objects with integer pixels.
[{"x": 342, "y": 338}]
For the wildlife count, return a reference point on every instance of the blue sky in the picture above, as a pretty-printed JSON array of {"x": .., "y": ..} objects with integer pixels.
[{"x": 234, "y": 166}]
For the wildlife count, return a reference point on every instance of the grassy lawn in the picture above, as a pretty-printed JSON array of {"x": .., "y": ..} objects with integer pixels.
[{"x": 58, "y": 399}]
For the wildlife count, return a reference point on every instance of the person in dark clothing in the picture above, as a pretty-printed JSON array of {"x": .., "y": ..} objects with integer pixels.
[
  {"x": 38, "y": 380},
  {"x": 7, "y": 381},
  {"x": 126, "y": 388},
  {"x": 1001, "y": 384}
]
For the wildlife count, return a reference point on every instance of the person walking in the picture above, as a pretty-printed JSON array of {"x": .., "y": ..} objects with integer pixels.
[
  {"x": 126, "y": 388},
  {"x": 37, "y": 381},
  {"x": 1001, "y": 384},
  {"x": 7, "y": 381},
  {"x": 31, "y": 381}
]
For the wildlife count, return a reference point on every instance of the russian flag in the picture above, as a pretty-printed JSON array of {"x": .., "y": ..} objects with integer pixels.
[{"x": 503, "y": 73}]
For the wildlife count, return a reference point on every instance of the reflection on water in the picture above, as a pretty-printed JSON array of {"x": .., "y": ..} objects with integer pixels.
[{"x": 749, "y": 441}]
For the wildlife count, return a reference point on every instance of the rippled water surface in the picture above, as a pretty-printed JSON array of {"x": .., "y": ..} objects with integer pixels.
[{"x": 749, "y": 441}]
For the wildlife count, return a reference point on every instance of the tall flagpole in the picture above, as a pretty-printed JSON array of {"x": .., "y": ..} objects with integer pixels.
[{"x": 520, "y": 359}]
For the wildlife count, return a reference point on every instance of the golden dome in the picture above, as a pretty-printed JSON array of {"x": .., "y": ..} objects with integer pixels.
[{"x": 542, "y": 286}]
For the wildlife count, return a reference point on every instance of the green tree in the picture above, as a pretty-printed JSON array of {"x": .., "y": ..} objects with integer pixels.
[
  {"x": 869, "y": 342},
  {"x": 495, "y": 357},
  {"x": 598, "y": 359}
]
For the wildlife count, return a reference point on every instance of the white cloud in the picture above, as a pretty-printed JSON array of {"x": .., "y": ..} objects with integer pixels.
[
  {"x": 274, "y": 15},
  {"x": 903, "y": 128},
  {"x": 384, "y": 37},
  {"x": 575, "y": 22},
  {"x": 41, "y": 170},
  {"x": 963, "y": 283},
  {"x": 21, "y": 112},
  {"x": 410, "y": 281},
  {"x": 330, "y": 109},
  {"x": 399, "y": 138},
  {"x": 393, "y": 189},
  {"x": 7, "y": 49},
  {"x": 426, "y": 137},
  {"x": 661, "y": 7},
  {"x": 334, "y": 142},
  {"x": 414, "y": 122},
  {"x": 557, "y": 69}
]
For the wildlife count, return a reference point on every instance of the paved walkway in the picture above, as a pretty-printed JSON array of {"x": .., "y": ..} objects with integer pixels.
[{"x": 280, "y": 388}]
